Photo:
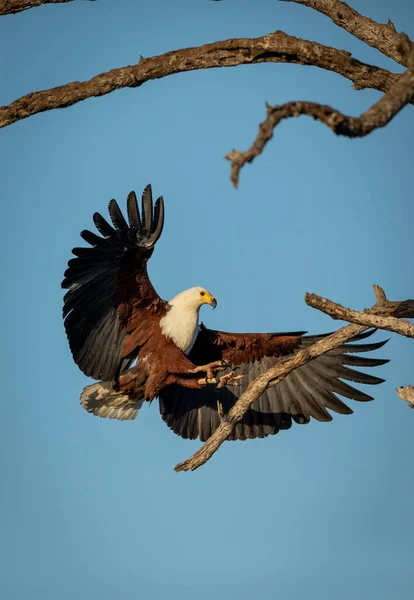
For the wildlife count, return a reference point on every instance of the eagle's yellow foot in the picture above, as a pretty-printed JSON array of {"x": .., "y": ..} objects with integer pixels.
[
  {"x": 211, "y": 369},
  {"x": 230, "y": 379}
]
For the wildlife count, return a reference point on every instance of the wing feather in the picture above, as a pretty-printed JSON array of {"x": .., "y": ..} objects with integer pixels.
[
  {"x": 108, "y": 285},
  {"x": 307, "y": 392}
]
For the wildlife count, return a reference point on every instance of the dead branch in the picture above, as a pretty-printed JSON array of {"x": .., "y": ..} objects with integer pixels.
[
  {"x": 407, "y": 394},
  {"x": 383, "y": 306},
  {"x": 274, "y": 376},
  {"x": 277, "y": 47},
  {"x": 377, "y": 116},
  {"x": 382, "y": 37},
  {"x": 337, "y": 311},
  {"x": 8, "y": 7}
]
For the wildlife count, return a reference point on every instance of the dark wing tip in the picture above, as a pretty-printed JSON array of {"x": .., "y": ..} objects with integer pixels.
[
  {"x": 117, "y": 217},
  {"x": 133, "y": 211},
  {"x": 102, "y": 225},
  {"x": 146, "y": 211},
  {"x": 147, "y": 225},
  {"x": 158, "y": 222}
]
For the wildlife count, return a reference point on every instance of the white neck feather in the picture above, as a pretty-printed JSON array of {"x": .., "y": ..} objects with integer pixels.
[{"x": 181, "y": 325}]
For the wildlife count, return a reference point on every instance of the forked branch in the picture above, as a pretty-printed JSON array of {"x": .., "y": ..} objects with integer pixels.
[{"x": 370, "y": 316}]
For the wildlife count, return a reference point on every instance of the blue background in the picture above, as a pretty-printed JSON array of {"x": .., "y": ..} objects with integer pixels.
[{"x": 91, "y": 508}]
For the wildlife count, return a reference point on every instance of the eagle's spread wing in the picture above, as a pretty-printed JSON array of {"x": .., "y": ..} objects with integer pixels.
[
  {"x": 306, "y": 392},
  {"x": 111, "y": 303}
]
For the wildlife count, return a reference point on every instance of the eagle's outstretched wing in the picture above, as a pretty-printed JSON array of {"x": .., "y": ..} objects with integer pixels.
[
  {"x": 111, "y": 305},
  {"x": 306, "y": 392}
]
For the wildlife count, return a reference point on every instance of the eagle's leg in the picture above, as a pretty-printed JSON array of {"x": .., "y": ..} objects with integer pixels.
[{"x": 213, "y": 368}]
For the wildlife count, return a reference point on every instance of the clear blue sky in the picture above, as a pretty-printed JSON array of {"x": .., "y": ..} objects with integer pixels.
[{"x": 91, "y": 508}]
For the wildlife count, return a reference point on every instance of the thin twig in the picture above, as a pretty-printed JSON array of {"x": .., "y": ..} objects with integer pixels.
[
  {"x": 381, "y": 36},
  {"x": 277, "y": 47}
]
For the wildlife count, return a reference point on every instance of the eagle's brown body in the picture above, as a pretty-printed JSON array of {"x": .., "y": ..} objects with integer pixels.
[{"x": 114, "y": 316}]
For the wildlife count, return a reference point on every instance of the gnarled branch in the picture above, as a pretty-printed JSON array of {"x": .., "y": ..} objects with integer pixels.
[
  {"x": 382, "y": 37},
  {"x": 272, "y": 377},
  {"x": 277, "y": 47},
  {"x": 378, "y": 115}
]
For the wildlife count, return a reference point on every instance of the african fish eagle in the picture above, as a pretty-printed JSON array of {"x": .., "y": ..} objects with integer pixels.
[{"x": 113, "y": 316}]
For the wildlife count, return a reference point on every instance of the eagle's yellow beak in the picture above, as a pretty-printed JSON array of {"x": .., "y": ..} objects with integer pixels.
[
  {"x": 213, "y": 302},
  {"x": 207, "y": 298}
]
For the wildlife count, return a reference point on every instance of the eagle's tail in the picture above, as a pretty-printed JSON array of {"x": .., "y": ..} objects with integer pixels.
[{"x": 102, "y": 400}]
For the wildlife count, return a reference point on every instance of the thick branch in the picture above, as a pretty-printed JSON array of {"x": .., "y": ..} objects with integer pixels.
[
  {"x": 382, "y": 37},
  {"x": 276, "y": 47},
  {"x": 337, "y": 311},
  {"x": 8, "y": 7},
  {"x": 378, "y": 115},
  {"x": 272, "y": 377}
]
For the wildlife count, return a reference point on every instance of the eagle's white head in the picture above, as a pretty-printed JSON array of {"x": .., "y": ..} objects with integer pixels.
[
  {"x": 181, "y": 321},
  {"x": 193, "y": 298}
]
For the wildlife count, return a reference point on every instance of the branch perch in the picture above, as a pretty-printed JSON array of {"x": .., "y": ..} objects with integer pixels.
[
  {"x": 369, "y": 317},
  {"x": 278, "y": 372},
  {"x": 277, "y": 47}
]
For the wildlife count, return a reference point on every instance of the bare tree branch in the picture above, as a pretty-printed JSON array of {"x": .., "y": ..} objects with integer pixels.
[
  {"x": 277, "y": 47},
  {"x": 8, "y": 7},
  {"x": 274, "y": 376},
  {"x": 382, "y": 37},
  {"x": 337, "y": 311},
  {"x": 407, "y": 393},
  {"x": 394, "y": 308},
  {"x": 378, "y": 115}
]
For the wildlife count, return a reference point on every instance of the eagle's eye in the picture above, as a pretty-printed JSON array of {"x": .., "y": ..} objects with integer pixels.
[{"x": 202, "y": 293}]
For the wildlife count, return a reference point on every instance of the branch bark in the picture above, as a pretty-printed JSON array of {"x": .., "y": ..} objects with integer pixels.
[
  {"x": 382, "y": 37},
  {"x": 277, "y": 47},
  {"x": 377, "y": 116},
  {"x": 277, "y": 373},
  {"x": 407, "y": 393},
  {"x": 8, "y": 7}
]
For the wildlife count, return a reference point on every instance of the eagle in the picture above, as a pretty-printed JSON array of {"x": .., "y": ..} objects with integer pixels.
[{"x": 140, "y": 347}]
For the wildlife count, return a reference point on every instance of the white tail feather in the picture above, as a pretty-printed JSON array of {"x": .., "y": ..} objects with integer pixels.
[{"x": 102, "y": 400}]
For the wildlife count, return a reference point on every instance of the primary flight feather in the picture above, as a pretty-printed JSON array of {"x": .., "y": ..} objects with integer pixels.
[{"x": 113, "y": 317}]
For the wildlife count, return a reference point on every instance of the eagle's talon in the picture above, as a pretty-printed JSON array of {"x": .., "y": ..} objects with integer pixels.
[{"x": 230, "y": 379}]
